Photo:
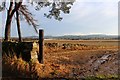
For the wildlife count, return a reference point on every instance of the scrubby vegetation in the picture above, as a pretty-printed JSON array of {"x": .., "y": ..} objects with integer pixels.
[
  {"x": 14, "y": 67},
  {"x": 65, "y": 60}
]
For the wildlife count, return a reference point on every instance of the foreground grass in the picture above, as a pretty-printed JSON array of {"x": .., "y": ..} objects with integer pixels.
[
  {"x": 102, "y": 77},
  {"x": 15, "y": 68}
]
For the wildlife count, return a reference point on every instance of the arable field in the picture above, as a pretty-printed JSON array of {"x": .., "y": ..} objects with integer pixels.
[
  {"x": 70, "y": 59},
  {"x": 87, "y": 42}
]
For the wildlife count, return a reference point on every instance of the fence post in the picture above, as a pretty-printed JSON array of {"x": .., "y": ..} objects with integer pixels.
[{"x": 41, "y": 45}]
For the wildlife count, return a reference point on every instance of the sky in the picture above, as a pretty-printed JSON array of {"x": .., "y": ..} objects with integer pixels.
[{"x": 86, "y": 17}]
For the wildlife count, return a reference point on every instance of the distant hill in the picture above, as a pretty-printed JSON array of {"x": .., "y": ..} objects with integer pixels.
[
  {"x": 83, "y": 37},
  {"x": 74, "y": 37},
  {"x": 79, "y": 37}
]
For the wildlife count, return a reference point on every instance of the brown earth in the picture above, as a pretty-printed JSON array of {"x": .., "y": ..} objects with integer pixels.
[{"x": 100, "y": 61}]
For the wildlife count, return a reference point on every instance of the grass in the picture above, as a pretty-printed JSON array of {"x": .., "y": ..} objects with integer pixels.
[
  {"x": 102, "y": 77},
  {"x": 14, "y": 67}
]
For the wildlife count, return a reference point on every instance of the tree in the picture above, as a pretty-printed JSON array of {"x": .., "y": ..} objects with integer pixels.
[
  {"x": 22, "y": 11},
  {"x": 10, "y": 13},
  {"x": 18, "y": 24}
]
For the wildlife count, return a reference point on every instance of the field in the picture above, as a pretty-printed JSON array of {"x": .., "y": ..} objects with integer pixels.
[{"x": 73, "y": 59}]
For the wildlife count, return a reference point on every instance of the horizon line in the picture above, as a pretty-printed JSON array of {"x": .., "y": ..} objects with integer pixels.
[{"x": 68, "y": 35}]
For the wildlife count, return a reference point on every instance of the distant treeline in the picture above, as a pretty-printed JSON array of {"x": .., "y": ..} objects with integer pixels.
[
  {"x": 73, "y": 37},
  {"x": 85, "y": 37}
]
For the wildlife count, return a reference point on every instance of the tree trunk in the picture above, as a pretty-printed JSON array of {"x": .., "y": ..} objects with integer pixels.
[
  {"x": 8, "y": 23},
  {"x": 9, "y": 19},
  {"x": 18, "y": 26},
  {"x": 7, "y": 29}
]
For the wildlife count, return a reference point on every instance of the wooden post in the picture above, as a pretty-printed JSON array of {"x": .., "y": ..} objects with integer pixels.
[{"x": 41, "y": 44}]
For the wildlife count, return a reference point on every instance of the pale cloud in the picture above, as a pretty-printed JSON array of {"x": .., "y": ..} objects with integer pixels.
[
  {"x": 92, "y": 33},
  {"x": 75, "y": 33},
  {"x": 94, "y": 17},
  {"x": 102, "y": 33},
  {"x": 85, "y": 10},
  {"x": 110, "y": 10},
  {"x": 97, "y": 0},
  {"x": 72, "y": 0}
]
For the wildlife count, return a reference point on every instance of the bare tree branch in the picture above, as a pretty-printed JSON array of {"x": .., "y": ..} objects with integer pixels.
[
  {"x": 28, "y": 16},
  {"x": 16, "y": 8}
]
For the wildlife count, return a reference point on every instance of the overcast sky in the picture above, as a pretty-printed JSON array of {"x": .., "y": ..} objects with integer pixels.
[{"x": 86, "y": 17}]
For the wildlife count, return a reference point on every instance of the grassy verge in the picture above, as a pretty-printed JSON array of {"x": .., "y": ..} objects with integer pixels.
[{"x": 15, "y": 68}]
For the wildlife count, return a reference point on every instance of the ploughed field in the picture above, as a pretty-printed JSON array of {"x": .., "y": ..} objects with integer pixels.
[{"x": 71, "y": 59}]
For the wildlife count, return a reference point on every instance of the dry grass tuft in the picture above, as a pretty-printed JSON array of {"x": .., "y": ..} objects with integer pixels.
[{"x": 14, "y": 67}]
